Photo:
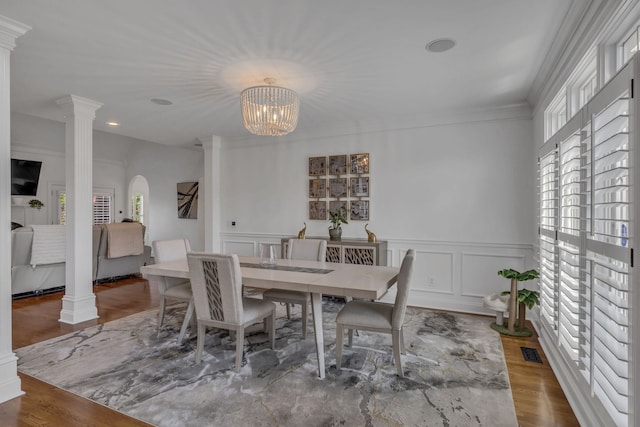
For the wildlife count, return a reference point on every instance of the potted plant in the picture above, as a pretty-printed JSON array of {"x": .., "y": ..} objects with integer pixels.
[
  {"x": 525, "y": 297},
  {"x": 337, "y": 218},
  {"x": 35, "y": 203}
]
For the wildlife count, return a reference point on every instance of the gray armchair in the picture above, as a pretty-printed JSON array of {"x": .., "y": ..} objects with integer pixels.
[
  {"x": 303, "y": 249},
  {"x": 378, "y": 317}
]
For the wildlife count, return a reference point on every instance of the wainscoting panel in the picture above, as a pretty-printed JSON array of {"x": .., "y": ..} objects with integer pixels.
[
  {"x": 479, "y": 271},
  {"x": 433, "y": 272},
  {"x": 447, "y": 275},
  {"x": 239, "y": 247}
]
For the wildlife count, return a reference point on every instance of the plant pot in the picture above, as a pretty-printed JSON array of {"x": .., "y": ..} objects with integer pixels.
[{"x": 335, "y": 233}]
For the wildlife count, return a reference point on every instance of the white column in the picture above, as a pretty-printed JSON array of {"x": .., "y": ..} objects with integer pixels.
[
  {"x": 10, "y": 30},
  {"x": 79, "y": 301},
  {"x": 211, "y": 194}
]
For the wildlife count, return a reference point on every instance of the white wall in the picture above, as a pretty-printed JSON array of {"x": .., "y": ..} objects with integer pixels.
[
  {"x": 461, "y": 194},
  {"x": 468, "y": 182},
  {"x": 164, "y": 167},
  {"x": 116, "y": 160}
]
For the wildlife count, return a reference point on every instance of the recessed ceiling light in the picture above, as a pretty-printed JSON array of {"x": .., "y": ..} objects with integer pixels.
[
  {"x": 440, "y": 45},
  {"x": 113, "y": 123},
  {"x": 161, "y": 101}
]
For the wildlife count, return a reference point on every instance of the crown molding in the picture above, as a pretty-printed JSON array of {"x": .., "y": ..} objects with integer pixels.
[{"x": 579, "y": 32}]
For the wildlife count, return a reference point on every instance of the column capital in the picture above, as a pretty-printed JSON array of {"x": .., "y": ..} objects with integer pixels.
[
  {"x": 73, "y": 104},
  {"x": 212, "y": 142},
  {"x": 10, "y": 30}
]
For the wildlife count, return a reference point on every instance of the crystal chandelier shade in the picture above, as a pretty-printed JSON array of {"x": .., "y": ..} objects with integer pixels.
[{"x": 269, "y": 110}]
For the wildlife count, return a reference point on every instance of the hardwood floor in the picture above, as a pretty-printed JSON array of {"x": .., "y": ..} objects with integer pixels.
[{"x": 538, "y": 398}]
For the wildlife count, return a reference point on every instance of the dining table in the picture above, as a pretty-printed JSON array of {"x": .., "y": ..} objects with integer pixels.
[{"x": 316, "y": 277}]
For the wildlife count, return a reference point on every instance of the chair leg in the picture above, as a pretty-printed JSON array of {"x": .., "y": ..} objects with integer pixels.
[
  {"x": 402, "y": 347},
  {"x": 350, "y": 337},
  {"x": 239, "y": 347},
  {"x": 396, "y": 334},
  {"x": 339, "y": 337},
  {"x": 187, "y": 319},
  {"x": 305, "y": 315},
  {"x": 161, "y": 312},
  {"x": 200, "y": 343},
  {"x": 288, "y": 311}
]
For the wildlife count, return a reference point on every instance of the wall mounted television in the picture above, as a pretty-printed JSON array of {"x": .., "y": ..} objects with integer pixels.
[{"x": 25, "y": 175}]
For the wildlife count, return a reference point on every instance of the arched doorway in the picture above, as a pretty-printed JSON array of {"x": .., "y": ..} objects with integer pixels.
[{"x": 138, "y": 201}]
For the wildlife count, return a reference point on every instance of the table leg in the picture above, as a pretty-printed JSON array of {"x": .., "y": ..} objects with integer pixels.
[
  {"x": 158, "y": 282},
  {"x": 316, "y": 308}
]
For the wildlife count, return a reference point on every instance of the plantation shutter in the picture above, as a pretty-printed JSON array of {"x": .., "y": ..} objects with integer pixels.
[
  {"x": 607, "y": 245},
  {"x": 547, "y": 171},
  {"x": 568, "y": 245},
  {"x": 587, "y": 232},
  {"x": 101, "y": 209}
]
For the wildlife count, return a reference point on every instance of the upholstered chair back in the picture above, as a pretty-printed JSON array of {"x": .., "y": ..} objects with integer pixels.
[
  {"x": 404, "y": 281},
  {"x": 171, "y": 250},
  {"x": 307, "y": 249},
  {"x": 216, "y": 283}
]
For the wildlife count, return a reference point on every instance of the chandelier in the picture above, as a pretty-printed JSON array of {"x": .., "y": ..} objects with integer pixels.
[{"x": 269, "y": 110}]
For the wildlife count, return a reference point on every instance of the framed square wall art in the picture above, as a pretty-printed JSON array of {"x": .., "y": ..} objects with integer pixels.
[
  {"x": 318, "y": 210},
  {"x": 188, "y": 200},
  {"x": 335, "y": 205},
  {"x": 338, "y": 187},
  {"x": 359, "y": 210},
  {"x": 318, "y": 188},
  {"x": 317, "y": 166},
  {"x": 360, "y": 163},
  {"x": 338, "y": 165},
  {"x": 360, "y": 187}
]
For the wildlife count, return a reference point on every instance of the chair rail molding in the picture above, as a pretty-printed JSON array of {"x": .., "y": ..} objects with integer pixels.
[{"x": 447, "y": 275}]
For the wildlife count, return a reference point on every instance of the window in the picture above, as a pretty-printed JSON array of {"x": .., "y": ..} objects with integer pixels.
[
  {"x": 555, "y": 116},
  {"x": 102, "y": 207},
  {"x": 588, "y": 89},
  {"x": 579, "y": 88},
  {"x": 137, "y": 208},
  {"x": 586, "y": 236},
  {"x": 627, "y": 48}
]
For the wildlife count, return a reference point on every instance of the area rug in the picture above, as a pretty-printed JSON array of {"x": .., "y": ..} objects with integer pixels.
[{"x": 455, "y": 374}]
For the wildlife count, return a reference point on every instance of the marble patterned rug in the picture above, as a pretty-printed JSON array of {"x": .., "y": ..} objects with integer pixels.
[{"x": 455, "y": 374}]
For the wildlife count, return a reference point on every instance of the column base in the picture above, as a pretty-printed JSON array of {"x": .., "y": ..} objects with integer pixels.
[
  {"x": 9, "y": 379},
  {"x": 78, "y": 309}
]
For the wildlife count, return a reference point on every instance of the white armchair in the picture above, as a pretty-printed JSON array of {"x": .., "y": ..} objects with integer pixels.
[
  {"x": 174, "y": 288},
  {"x": 217, "y": 291}
]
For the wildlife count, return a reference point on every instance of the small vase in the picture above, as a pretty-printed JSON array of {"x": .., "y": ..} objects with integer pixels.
[{"x": 335, "y": 233}]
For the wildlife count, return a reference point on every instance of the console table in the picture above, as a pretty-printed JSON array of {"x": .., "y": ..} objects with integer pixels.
[{"x": 349, "y": 251}]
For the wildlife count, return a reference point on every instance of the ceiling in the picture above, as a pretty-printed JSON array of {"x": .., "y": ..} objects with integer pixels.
[{"x": 350, "y": 61}]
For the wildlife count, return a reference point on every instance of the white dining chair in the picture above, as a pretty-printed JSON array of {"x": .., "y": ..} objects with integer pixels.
[
  {"x": 378, "y": 317},
  {"x": 300, "y": 249},
  {"x": 174, "y": 288},
  {"x": 216, "y": 281}
]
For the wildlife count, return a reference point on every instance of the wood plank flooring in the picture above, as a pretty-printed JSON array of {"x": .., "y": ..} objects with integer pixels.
[{"x": 538, "y": 398}]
